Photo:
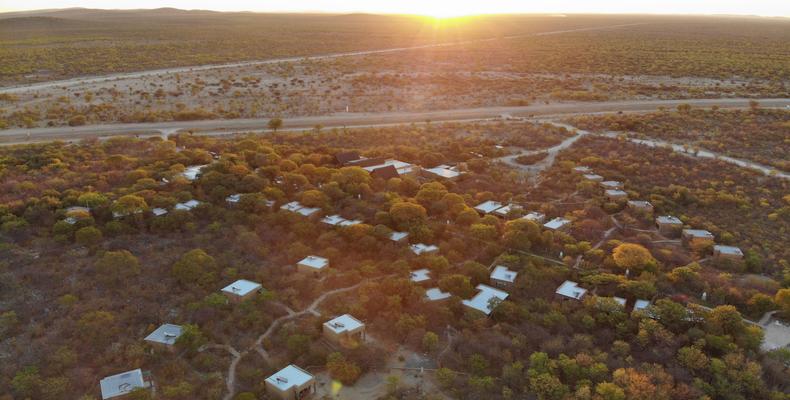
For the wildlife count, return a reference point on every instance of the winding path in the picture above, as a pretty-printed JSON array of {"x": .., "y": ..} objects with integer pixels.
[{"x": 236, "y": 355}]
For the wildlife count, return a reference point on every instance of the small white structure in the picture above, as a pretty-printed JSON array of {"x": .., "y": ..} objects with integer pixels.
[
  {"x": 641, "y": 305},
  {"x": 421, "y": 248},
  {"x": 692, "y": 235},
  {"x": 488, "y": 207},
  {"x": 192, "y": 172},
  {"x": 615, "y": 195},
  {"x": 402, "y": 167},
  {"x": 557, "y": 224},
  {"x": 333, "y": 220},
  {"x": 611, "y": 185},
  {"x": 582, "y": 169},
  {"x": 293, "y": 206},
  {"x": 443, "y": 171},
  {"x": 640, "y": 205},
  {"x": 123, "y": 384},
  {"x": 234, "y": 198},
  {"x": 158, "y": 212},
  {"x": 421, "y": 275},
  {"x": 166, "y": 334},
  {"x": 436, "y": 294},
  {"x": 350, "y": 222},
  {"x": 312, "y": 264},
  {"x": 344, "y": 330},
  {"x": 502, "y": 277},
  {"x": 504, "y": 211},
  {"x": 290, "y": 383},
  {"x": 593, "y": 177},
  {"x": 571, "y": 290},
  {"x": 399, "y": 237},
  {"x": 535, "y": 216},
  {"x": 241, "y": 290},
  {"x": 187, "y": 205},
  {"x": 309, "y": 212},
  {"x": 722, "y": 252},
  {"x": 482, "y": 300},
  {"x": 669, "y": 225}
]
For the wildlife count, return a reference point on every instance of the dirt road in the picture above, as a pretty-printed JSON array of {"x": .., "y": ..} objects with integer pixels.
[{"x": 225, "y": 127}]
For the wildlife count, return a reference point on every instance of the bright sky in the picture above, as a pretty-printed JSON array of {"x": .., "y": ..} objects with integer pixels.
[{"x": 440, "y": 8}]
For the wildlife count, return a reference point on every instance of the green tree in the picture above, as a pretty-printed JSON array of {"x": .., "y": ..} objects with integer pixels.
[
  {"x": 632, "y": 256},
  {"x": 195, "y": 267},
  {"x": 88, "y": 236},
  {"x": 275, "y": 124},
  {"x": 430, "y": 341},
  {"x": 782, "y": 300},
  {"x": 92, "y": 199},
  {"x": 191, "y": 338},
  {"x": 129, "y": 205},
  {"x": 27, "y": 382},
  {"x": 118, "y": 265},
  {"x": 341, "y": 369}
]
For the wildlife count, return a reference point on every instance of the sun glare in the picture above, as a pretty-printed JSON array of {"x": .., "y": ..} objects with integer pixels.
[{"x": 445, "y": 9}]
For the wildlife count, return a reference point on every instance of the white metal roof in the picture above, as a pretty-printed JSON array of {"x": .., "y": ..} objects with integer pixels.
[
  {"x": 669, "y": 219},
  {"x": 314, "y": 262},
  {"x": 121, "y": 384},
  {"x": 612, "y": 184},
  {"x": 292, "y": 206},
  {"x": 241, "y": 287},
  {"x": 444, "y": 172},
  {"x": 488, "y": 206},
  {"x": 434, "y": 294},
  {"x": 421, "y": 248},
  {"x": 188, "y": 205},
  {"x": 698, "y": 233},
  {"x": 307, "y": 211},
  {"x": 641, "y": 305},
  {"x": 350, "y": 222},
  {"x": 535, "y": 216},
  {"x": 234, "y": 198},
  {"x": 343, "y": 323},
  {"x": 571, "y": 289},
  {"x": 639, "y": 203},
  {"x": 481, "y": 300},
  {"x": 728, "y": 250},
  {"x": 593, "y": 177},
  {"x": 192, "y": 172},
  {"x": 582, "y": 168},
  {"x": 159, "y": 211},
  {"x": 165, "y": 334},
  {"x": 401, "y": 166},
  {"x": 289, "y": 377},
  {"x": 333, "y": 220},
  {"x": 616, "y": 192},
  {"x": 421, "y": 275},
  {"x": 506, "y": 209},
  {"x": 556, "y": 223},
  {"x": 502, "y": 273},
  {"x": 398, "y": 236}
]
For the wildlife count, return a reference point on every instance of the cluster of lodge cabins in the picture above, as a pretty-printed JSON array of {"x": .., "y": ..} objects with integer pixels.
[{"x": 293, "y": 382}]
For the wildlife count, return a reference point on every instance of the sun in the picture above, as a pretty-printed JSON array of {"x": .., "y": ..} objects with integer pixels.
[{"x": 444, "y": 9}]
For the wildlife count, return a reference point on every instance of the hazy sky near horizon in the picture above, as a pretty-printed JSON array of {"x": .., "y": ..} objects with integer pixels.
[{"x": 434, "y": 7}]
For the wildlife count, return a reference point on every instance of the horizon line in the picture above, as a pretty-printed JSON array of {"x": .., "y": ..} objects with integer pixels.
[{"x": 384, "y": 13}]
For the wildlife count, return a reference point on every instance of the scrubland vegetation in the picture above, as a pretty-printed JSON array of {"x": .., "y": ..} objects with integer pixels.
[
  {"x": 629, "y": 58},
  {"x": 760, "y": 135},
  {"x": 77, "y": 299}
]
